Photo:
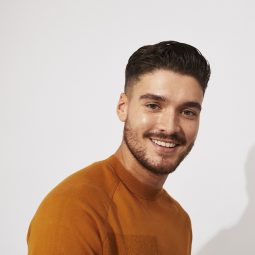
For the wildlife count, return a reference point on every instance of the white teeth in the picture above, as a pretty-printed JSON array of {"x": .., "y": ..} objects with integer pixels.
[{"x": 164, "y": 144}]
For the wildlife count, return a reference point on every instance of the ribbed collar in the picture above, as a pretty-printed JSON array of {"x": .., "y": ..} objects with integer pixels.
[{"x": 140, "y": 189}]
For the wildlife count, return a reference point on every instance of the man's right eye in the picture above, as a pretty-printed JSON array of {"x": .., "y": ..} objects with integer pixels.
[{"x": 153, "y": 106}]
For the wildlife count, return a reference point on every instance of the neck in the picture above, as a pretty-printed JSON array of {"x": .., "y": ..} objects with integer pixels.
[{"x": 142, "y": 174}]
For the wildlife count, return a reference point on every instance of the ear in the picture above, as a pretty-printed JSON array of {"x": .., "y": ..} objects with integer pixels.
[{"x": 122, "y": 107}]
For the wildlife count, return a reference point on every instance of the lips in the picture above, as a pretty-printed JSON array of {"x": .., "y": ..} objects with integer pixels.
[
  {"x": 165, "y": 140},
  {"x": 164, "y": 143}
]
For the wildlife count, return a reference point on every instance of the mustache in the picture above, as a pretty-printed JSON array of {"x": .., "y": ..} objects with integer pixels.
[{"x": 175, "y": 137}]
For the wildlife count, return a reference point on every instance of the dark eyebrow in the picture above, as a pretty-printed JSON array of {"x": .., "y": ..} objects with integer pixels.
[
  {"x": 153, "y": 97},
  {"x": 193, "y": 105}
]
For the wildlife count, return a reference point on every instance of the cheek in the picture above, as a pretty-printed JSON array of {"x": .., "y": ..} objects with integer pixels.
[
  {"x": 140, "y": 120},
  {"x": 146, "y": 121},
  {"x": 191, "y": 131}
]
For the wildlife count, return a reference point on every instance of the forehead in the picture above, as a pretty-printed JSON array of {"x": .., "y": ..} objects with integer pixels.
[{"x": 168, "y": 84}]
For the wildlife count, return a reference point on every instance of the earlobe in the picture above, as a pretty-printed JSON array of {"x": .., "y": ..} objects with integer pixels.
[{"x": 122, "y": 107}]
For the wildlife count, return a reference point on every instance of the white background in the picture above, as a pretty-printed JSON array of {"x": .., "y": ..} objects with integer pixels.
[{"x": 61, "y": 72}]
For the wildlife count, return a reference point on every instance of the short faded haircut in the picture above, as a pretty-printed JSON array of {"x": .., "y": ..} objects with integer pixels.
[{"x": 168, "y": 55}]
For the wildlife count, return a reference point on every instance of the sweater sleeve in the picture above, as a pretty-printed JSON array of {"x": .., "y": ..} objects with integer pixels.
[{"x": 66, "y": 225}]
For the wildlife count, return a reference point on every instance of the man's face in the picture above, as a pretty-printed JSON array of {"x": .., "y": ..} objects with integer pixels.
[{"x": 161, "y": 115}]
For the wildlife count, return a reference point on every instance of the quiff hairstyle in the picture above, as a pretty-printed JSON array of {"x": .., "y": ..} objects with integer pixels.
[{"x": 168, "y": 55}]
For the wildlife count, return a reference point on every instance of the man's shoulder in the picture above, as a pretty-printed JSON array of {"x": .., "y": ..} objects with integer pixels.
[
  {"x": 175, "y": 205},
  {"x": 75, "y": 208},
  {"x": 92, "y": 186},
  {"x": 97, "y": 176}
]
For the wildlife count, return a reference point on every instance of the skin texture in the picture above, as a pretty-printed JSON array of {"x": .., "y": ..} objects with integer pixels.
[{"x": 163, "y": 106}]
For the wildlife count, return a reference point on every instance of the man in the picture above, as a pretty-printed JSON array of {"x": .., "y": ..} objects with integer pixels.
[{"x": 118, "y": 205}]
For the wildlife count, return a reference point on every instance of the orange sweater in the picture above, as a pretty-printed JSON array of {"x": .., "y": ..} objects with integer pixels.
[{"x": 103, "y": 209}]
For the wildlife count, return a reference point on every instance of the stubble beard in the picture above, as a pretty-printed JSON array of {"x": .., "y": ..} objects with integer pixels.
[{"x": 156, "y": 167}]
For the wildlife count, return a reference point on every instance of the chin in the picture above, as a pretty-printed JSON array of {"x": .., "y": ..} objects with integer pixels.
[{"x": 156, "y": 167}]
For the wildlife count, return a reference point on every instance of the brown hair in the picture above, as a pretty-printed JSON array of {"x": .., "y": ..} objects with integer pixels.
[{"x": 170, "y": 55}]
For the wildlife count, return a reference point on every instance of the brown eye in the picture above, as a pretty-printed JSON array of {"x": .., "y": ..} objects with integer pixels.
[
  {"x": 153, "y": 106},
  {"x": 189, "y": 113}
]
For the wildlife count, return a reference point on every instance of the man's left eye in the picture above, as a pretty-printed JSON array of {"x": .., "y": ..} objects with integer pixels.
[{"x": 189, "y": 113}]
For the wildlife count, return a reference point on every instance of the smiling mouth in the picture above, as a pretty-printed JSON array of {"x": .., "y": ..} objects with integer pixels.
[{"x": 164, "y": 144}]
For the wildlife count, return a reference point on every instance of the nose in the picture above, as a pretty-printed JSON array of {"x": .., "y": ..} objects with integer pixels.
[{"x": 169, "y": 122}]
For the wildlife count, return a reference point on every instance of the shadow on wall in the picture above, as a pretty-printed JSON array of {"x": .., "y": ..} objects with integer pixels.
[{"x": 239, "y": 239}]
